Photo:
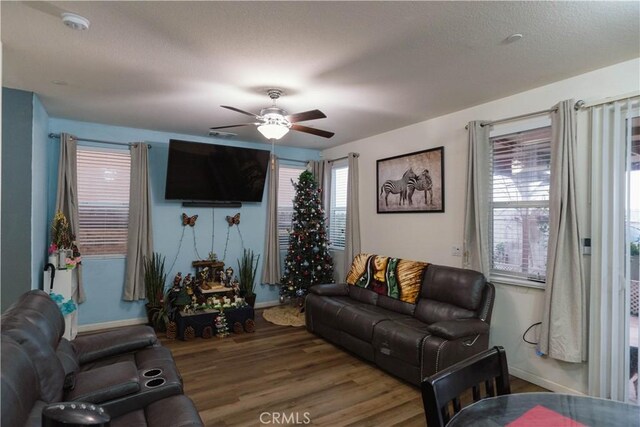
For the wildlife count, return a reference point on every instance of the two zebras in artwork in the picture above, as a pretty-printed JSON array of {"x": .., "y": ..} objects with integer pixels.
[{"x": 407, "y": 185}]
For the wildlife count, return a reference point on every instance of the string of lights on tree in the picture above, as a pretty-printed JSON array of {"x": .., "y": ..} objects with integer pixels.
[{"x": 308, "y": 261}]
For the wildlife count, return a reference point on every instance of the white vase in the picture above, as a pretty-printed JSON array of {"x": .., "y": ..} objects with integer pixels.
[{"x": 62, "y": 256}]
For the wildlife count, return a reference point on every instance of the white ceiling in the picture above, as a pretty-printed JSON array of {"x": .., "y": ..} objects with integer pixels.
[{"x": 369, "y": 66}]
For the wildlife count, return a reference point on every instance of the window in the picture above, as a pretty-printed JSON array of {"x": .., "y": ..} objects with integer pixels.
[
  {"x": 519, "y": 204},
  {"x": 103, "y": 201},
  {"x": 338, "y": 208},
  {"x": 286, "y": 193}
]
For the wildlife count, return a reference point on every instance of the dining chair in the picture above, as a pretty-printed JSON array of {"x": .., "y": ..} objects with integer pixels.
[{"x": 444, "y": 389}]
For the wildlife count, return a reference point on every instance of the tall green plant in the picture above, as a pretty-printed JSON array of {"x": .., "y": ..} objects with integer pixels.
[
  {"x": 154, "y": 278},
  {"x": 247, "y": 268}
]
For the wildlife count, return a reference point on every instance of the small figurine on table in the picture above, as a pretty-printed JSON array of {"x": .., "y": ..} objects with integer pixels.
[
  {"x": 228, "y": 277},
  {"x": 176, "y": 281},
  {"x": 204, "y": 278},
  {"x": 235, "y": 285},
  {"x": 221, "y": 277},
  {"x": 187, "y": 283}
]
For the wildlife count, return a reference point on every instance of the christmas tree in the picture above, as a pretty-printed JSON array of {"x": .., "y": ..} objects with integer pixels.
[{"x": 308, "y": 260}]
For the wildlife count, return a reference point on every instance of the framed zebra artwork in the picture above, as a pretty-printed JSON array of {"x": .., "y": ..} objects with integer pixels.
[{"x": 412, "y": 182}]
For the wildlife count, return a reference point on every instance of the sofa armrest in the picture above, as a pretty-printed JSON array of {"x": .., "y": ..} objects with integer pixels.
[
  {"x": 454, "y": 329},
  {"x": 106, "y": 383},
  {"x": 330, "y": 289},
  {"x": 111, "y": 343}
]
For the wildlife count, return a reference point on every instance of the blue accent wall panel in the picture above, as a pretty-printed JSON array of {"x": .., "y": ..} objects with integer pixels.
[
  {"x": 104, "y": 278},
  {"x": 39, "y": 190},
  {"x": 17, "y": 120}
]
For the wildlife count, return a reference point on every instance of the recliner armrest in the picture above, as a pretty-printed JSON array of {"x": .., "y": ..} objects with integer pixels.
[
  {"x": 106, "y": 383},
  {"x": 111, "y": 343},
  {"x": 454, "y": 329},
  {"x": 330, "y": 289}
]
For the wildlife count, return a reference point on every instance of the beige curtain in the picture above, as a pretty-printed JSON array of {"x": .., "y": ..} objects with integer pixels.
[
  {"x": 67, "y": 194},
  {"x": 352, "y": 231},
  {"x": 563, "y": 332},
  {"x": 271, "y": 263},
  {"x": 476, "y": 213},
  {"x": 320, "y": 170},
  {"x": 140, "y": 234}
]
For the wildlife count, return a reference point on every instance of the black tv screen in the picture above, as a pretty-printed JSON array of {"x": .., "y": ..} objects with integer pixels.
[{"x": 209, "y": 172}]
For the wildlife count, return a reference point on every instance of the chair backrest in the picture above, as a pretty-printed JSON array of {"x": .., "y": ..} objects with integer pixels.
[{"x": 444, "y": 389}]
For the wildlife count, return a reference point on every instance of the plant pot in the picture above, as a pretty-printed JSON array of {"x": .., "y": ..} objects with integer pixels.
[{"x": 250, "y": 299}]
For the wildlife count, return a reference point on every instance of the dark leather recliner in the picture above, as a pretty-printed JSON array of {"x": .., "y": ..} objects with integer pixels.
[
  {"x": 449, "y": 322},
  {"x": 125, "y": 371}
]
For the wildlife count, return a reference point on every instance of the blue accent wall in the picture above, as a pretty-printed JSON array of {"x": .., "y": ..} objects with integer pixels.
[
  {"x": 17, "y": 122},
  {"x": 39, "y": 190},
  {"x": 104, "y": 277}
]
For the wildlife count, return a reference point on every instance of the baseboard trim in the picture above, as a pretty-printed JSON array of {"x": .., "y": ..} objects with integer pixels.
[
  {"x": 542, "y": 382},
  {"x": 266, "y": 304},
  {"x": 92, "y": 327}
]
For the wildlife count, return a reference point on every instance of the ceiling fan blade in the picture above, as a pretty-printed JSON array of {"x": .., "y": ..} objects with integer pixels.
[
  {"x": 318, "y": 132},
  {"x": 307, "y": 115},
  {"x": 237, "y": 110},
  {"x": 232, "y": 126}
]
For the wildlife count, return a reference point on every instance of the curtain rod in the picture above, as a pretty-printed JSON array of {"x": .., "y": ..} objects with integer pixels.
[
  {"x": 343, "y": 157},
  {"x": 521, "y": 116},
  {"x": 582, "y": 104},
  {"x": 100, "y": 141},
  {"x": 578, "y": 106}
]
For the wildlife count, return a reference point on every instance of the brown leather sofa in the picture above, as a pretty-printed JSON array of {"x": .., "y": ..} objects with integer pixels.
[
  {"x": 126, "y": 371},
  {"x": 449, "y": 322}
]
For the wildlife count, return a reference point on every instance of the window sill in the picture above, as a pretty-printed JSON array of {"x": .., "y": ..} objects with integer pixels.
[{"x": 502, "y": 280}]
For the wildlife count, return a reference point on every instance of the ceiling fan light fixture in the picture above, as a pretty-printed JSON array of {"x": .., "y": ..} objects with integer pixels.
[
  {"x": 275, "y": 126},
  {"x": 273, "y": 131}
]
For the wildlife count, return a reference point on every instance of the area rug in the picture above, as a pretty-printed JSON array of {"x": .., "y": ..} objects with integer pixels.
[{"x": 284, "y": 315}]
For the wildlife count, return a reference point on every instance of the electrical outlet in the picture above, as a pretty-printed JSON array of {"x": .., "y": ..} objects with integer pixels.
[{"x": 456, "y": 251}]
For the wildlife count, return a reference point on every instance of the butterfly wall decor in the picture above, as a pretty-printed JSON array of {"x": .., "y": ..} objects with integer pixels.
[
  {"x": 189, "y": 220},
  {"x": 233, "y": 219}
]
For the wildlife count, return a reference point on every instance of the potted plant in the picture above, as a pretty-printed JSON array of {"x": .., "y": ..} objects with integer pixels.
[
  {"x": 165, "y": 314},
  {"x": 247, "y": 268},
  {"x": 154, "y": 281}
]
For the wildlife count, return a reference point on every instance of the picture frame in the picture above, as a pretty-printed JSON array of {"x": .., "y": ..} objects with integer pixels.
[{"x": 412, "y": 182}]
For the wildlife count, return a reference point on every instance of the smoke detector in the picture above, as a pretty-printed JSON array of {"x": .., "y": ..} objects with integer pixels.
[{"x": 75, "y": 22}]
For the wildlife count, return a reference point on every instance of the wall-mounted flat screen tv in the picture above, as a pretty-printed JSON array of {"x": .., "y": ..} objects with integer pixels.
[{"x": 218, "y": 173}]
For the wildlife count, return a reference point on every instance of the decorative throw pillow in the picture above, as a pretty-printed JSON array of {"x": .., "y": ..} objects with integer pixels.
[{"x": 393, "y": 277}]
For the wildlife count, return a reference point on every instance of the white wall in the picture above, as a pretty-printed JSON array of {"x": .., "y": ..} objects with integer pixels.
[{"x": 429, "y": 237}]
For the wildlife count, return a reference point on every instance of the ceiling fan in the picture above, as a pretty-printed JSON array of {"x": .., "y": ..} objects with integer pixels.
[{"x": 274, "y": 122}]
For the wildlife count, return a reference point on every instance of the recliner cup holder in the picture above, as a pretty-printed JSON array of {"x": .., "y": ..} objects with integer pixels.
[
  {"x": 156, "y": 382},
  {"x": 150, "y": 373}
]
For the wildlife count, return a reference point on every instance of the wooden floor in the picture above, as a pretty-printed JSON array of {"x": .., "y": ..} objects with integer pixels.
[{"x": 281, "y": 369}]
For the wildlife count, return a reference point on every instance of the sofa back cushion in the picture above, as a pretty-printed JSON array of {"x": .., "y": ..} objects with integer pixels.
[
  {"x": 19, "y": 387},
  {"x": 396, "y": 305},
  {"x": 37, "y": 308},
  {"x": 364, "y": 295},
  {"x": 48, "y": 368},
  {"x": 449, "y": 293}
]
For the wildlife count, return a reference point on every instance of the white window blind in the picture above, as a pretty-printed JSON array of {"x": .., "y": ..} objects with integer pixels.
[
  {"x": 519, "y": 196},
  {"x": 286, "y": 194},
  {"x": 103, "y": 201},
  {"x": 338, "y": 208}
]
